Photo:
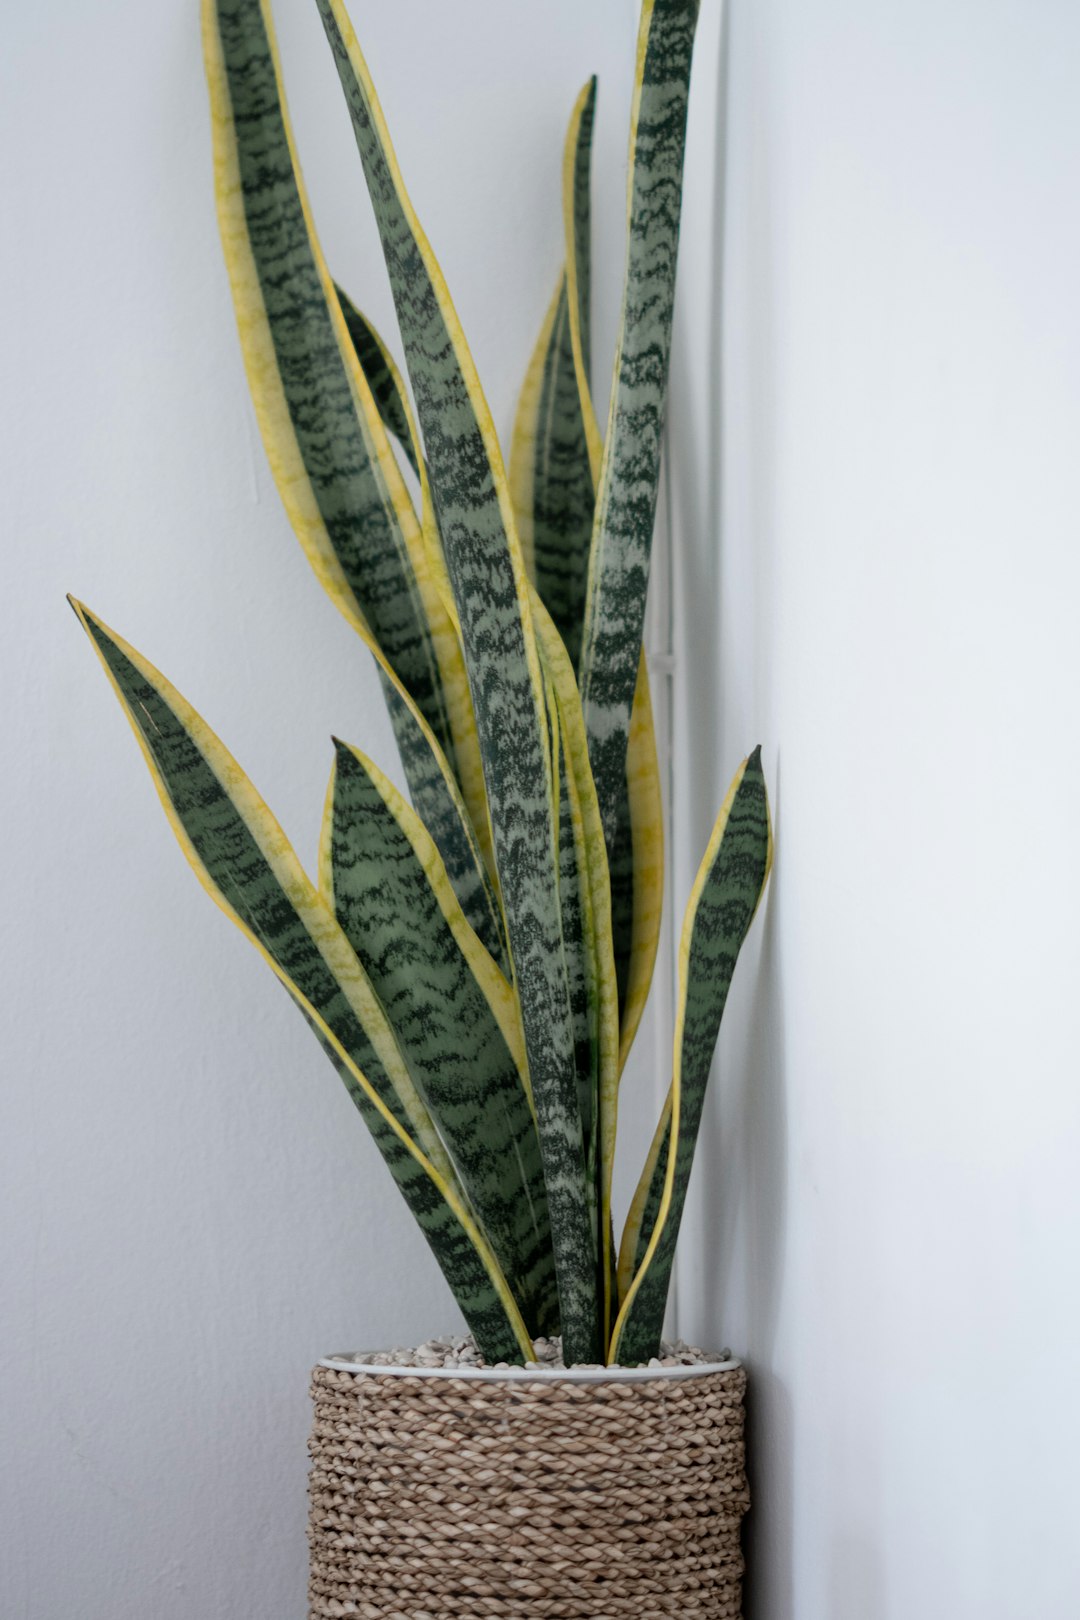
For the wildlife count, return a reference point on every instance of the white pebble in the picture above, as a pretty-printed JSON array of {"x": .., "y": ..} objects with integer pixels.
[{"x": 453, "y": 1351}]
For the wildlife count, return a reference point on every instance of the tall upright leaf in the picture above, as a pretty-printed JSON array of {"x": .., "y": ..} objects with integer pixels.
[
  {"x": 626, "y": 502},
  {"x": 327, "y": 444},
  {"x": 577, "y": 229},
  {"x": 245, "y": 863},
  {"x": 587, "y": 925},
  {"x": 555, "y": 465},
  {"x": 637, "y": 869},
  {"x": 390, "y": 893},
  {"x": 555, "y": 455},
  {"x": 487, "y": 576},
  {"x": 725, "y": 896}
]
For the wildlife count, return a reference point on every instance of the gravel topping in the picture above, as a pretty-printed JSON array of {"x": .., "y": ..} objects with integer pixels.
[{"x": 452, "y": 1351}]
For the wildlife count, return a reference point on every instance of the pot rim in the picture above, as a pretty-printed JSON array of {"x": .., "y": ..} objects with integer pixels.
[{"x": 533, "y": 1372}]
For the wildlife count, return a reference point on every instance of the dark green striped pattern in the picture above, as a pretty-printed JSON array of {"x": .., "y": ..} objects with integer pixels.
[
  {"x": 626, "y": 504},
  {"x": 563, "y": 493},
  {"x": 582, "y": 228},
  {"x": 578, "y": 967},
  {"x": 726, "y": 902},
  {"x": 621, "y": 873},
  {"x": 348, "y": 486},
  {"x": 447, "y": 1032},
  {"x": 564, "y": 498},
  {"x": 372, "y": 354},
  {"x": 236, "y": 865},
  {"x": 443, "y": 813},
  {"x": 562, "y": 485},
  {"x": 509, "y": 721}
]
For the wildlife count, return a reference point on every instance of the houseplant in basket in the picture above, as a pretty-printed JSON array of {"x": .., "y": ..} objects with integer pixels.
[{"x": 475, "y": 963}]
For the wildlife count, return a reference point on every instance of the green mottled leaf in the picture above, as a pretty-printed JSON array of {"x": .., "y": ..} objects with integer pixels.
[
  {"x": 577, "y": 157},
  {"x": 585, "y": 898},
  {"x": 725, "y": 896},
  {"x": 554, "y": 464},
  {"x": 636, "y": 865},
  {"x": 245, "y": 863},
  {"x": 382, "y": 376},
  {"x": 579, "y": 967},
  {"x": 327, "y": 444},
  {"x": 552, "y": 478},
  {"x": 486, "y": 574},
  {"x": 391, "y": 895},
  {"x": 626, "y": 502},
  {"x": 556, "y": 449}
]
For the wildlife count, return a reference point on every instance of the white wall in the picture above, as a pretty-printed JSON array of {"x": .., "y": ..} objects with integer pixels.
[
  {"x": 878, "y": 488},
  {"x": 194, "y": 1212}
]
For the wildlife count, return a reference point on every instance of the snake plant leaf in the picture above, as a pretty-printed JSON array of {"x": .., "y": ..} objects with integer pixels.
[
  {"x": 400, "y": 420},
  {"x": 383, "y": 378},
  {"x": 635, "y": 860},
  {"x": 626, "y": 501},
  {"x": 587, "y": 880},
  {"x": 573, "y": 899},
  {"x": 490, "y": 588},
  {"x": 725, "y": 896},
  {"x": 550, "y": 475},
  {"x": 637, "y": 868},
  {"x": 555, "y": 464},
  {"x": 243, "y": 860},
  {"x": 577, "y": 226},
  {"x": 389, "y": 394},
  {"x": 384, "y": 877},
  {"x": 328, "y": 447},
  {"x": 556, "y": 450}
]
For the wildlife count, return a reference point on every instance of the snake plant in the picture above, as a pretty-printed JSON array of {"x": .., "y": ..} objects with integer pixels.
[{"x": 474, "y": 962}]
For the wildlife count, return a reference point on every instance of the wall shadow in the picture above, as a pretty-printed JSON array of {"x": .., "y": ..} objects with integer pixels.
[
  {"x": 763, "y": 1172},
  {"x": 728, "y": 575}
]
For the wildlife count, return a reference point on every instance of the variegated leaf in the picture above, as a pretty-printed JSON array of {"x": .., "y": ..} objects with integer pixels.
[
  {"x": 637, "y": 868},
  {"x": 382, "y": 375},
  {"x": 551, "y": 477},
  {"x": 441, "y": 992},
  {"x": 555, "y": 454},
  {"x": 725, "y": 896},
  {"x": 626, "y": 501},
  {"x": 587, "y": 930},
  {"x": 577, "y": 227},
  {"x": 245, "y": 863},
  {"x": 327, "y": 444},
  {"x": 490, "y": 589},
  {"x": 554, "y": 466}
]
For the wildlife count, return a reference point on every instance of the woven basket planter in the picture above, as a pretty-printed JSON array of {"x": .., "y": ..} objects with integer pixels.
[{"x": 451, "y": 1495}]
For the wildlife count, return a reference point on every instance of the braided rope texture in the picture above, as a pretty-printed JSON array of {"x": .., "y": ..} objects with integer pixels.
[{"x": 453, "y": 1499}]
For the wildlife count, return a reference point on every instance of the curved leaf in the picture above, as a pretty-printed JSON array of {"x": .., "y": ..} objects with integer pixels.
[
  {"x": 383, "y": 377},
  {"x": 393, "y": 402},
  {"x": 326, "y": 443},
  {"x": 725, "y": 896},
  {"x": 390, "y": 893},
  {"x": 245, "y": 863},
  {"x": 626, "y": 502},
  {"x": 487, "y": 576}
]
